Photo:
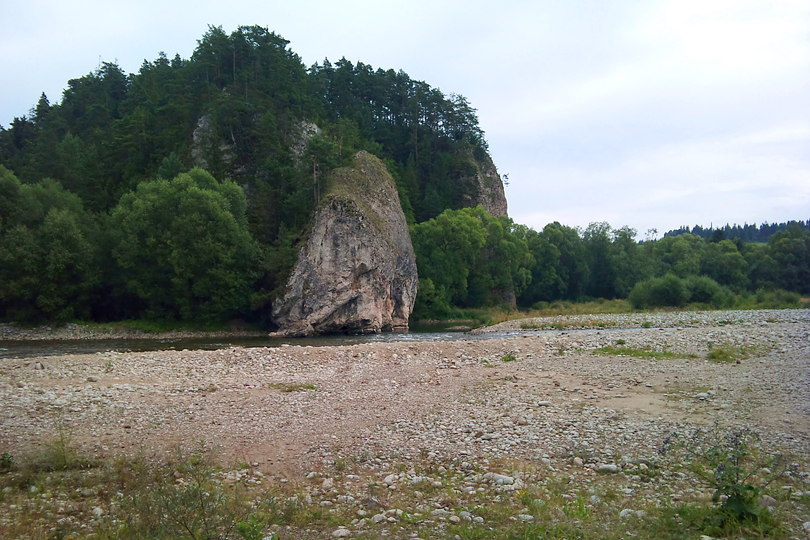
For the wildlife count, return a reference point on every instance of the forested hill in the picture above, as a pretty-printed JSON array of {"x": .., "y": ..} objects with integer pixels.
[
  {"x": 243, "y": 106},
  {"x": 184, "y": 190},
  {"x": 746, "y": 232}
]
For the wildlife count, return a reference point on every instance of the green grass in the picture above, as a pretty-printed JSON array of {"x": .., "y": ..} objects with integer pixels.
[
  {"x": 728, "y": 353},
  {"x": 620, "y": 350}
]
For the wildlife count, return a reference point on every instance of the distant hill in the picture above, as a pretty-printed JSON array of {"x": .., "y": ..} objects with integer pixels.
[{"x": 746, "y": 232}]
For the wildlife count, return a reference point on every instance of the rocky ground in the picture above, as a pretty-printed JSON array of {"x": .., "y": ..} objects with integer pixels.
[{"x": 542, "y": 398}]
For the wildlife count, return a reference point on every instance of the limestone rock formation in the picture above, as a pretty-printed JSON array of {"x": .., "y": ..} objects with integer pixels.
[
  {"x": 357, "y": 271},
  {"x": 487, "y": 187}
]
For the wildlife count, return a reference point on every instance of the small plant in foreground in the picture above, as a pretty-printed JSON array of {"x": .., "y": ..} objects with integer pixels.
[
  {"x": 730, "y": 463},
  {"x": 6, "y": 462},
  {"x": 508, "y": 358}
]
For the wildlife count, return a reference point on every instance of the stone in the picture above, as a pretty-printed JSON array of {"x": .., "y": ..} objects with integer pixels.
[
  {"x": 328, "y": 483},
  {"x": 500, "y": 479},
  {"x": 608, "y": 468},
  {"x": 525, "y": 517},
  {"x": 341, "y": 533},
  {"x": 767, "y": 501},
  {"x": 357, "y": 271}
]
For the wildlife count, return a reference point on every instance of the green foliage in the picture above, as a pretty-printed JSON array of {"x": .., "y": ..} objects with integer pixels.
[
  {"x": 729, "y": 463},
  {"x": 183, "y": 247},
  {"x": 668, "y": 290},
  {"x": 48, "y": 260},
  {"x": 6, "y": 462},
  {"x": 468, "y": 258}
]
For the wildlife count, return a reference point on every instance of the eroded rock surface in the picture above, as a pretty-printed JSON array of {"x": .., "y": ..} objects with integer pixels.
[
  {"x": 357, "y": 271},
  {"x": 487, "y": 188}
]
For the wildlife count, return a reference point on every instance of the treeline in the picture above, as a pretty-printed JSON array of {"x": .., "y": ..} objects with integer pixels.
[
  {"x": 171, "y": 249},
  {"x": 244, "y": 108},
  {"x": 469, "y": 259},
  {"x": 745, "y": 232}
]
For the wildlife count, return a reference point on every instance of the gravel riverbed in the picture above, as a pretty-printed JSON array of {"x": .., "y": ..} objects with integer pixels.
[
  {"x": 544, "y": 398},
  {"x": 291, "y": 406}
]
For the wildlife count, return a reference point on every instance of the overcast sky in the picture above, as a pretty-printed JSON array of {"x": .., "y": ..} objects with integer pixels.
[{"x": 646, "y": 113}]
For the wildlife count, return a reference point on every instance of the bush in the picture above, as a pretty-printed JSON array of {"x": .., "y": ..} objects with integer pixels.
[
  {"x": 777, "y": 298},
  {"x": 705, "y": 290},
  {"x": 669, "y": 290}
]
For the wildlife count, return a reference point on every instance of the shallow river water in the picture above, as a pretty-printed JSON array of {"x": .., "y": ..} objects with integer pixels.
[{"x": 33, "y": 348}]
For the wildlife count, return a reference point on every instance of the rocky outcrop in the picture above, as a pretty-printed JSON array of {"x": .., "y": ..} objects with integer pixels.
[
  {"x": 204, "y": 145},
  {"x": 487, "y": 187},
  {"x": 357, "y": 271}
]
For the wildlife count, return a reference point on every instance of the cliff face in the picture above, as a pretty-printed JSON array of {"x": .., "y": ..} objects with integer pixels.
[
  {"x": 487, "y": 187},
  {"x": 357, "y": 271}
]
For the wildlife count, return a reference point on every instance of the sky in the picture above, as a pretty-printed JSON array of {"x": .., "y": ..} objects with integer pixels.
[{"x": 651, "y": 114}]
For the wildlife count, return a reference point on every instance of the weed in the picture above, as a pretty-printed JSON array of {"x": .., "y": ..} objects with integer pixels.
[
  {"x": 646, "y": 324},
  {"x": 60, "y": 454},
  {"x": 291, "y": 387},
  {"x": 620, "y": 342},
  {"x": 508, "y": 358},
  {"x": 6, "y": 462},
  {"x": 727, "y": 462}
]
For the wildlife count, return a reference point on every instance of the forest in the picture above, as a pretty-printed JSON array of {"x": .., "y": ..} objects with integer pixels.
[{"x": 182, "y": 193}]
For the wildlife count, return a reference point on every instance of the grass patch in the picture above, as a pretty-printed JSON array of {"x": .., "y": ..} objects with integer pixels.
[
  {"x": 727, "y": 353},
  {"x": 292, "y": 387},
  {"x": 620, "y": 350},
  {"x": 508, "y": 358}
]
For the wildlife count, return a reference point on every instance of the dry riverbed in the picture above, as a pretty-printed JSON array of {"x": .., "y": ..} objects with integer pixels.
[{"x": 333, "y": 421}]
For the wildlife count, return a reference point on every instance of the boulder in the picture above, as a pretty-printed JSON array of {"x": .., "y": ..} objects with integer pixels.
[{"x": 356, "y": 272}]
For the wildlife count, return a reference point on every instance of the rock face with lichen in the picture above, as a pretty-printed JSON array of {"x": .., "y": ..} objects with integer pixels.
[
  {"x": 357, "y": 271},
  {"x": 487, "y": 187}
]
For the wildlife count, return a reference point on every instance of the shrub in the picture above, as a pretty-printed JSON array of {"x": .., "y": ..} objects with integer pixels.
[
  {"x": 669, "y": 290},
  {"x": 705, "y": 290},
  {"x": 777, "y": 299}
]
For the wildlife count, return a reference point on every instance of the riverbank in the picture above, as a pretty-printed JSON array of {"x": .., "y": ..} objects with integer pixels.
[
  {"x": 74, "y": 332},
  {"x": 331, "y": 423}
]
